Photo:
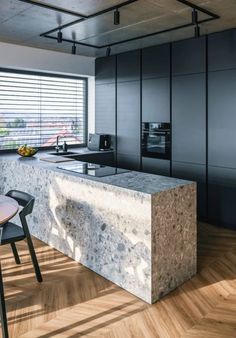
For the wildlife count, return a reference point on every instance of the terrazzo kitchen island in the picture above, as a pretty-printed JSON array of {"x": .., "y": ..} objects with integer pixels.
[{"x": 137, "y": 230}]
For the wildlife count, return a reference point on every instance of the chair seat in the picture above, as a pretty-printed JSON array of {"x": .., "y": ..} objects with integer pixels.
[{"x": 12, "y": 233}]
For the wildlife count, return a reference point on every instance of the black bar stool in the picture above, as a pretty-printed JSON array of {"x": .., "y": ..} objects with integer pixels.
[{"x": 12, "y": 233}]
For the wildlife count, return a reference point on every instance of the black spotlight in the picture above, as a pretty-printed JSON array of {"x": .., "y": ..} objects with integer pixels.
[
  {"x": 116, "y": 17},
  {"x": 73, "y": 50},
  {"x": 194, "y": 17},
  {"x": 108, "y": 52},
  {"x": 59, "y": 37}
]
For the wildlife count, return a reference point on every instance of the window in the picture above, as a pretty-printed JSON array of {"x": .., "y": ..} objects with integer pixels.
[{"x": 36, "y": 108}]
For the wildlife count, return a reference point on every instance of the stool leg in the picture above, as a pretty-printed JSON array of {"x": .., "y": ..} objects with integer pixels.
[
  {"x": 3, "y": 314},
  {"x": 34, "y": 258},
  {"x": 15, "y": 253}
]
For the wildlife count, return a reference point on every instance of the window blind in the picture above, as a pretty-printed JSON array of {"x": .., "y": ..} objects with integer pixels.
[{"x": 35, "y": 109}]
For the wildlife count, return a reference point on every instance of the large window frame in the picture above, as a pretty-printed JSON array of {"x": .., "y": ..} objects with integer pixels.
[{"x": 56, "y": 75}]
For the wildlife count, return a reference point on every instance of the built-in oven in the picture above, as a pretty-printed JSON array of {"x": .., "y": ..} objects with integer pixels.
[{"x": 156, "y": 140}]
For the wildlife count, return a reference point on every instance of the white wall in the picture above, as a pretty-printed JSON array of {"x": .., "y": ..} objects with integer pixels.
[
  {"x": 21, "y": 57},
  {"x": 35, "y": 59}
]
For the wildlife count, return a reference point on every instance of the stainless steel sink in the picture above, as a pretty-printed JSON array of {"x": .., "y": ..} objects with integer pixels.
[{"x": 63, "y": 153}]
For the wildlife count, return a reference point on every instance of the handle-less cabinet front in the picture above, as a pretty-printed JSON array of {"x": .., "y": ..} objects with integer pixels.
[
  {"x": 156, "y": 62},
  {"x": 222, "y": 118},
  {"x": 156, "y": 166},
  {"x": 128, "y": 119},
  {"x": 105, "y": 70},
  {"x": 156, "y": 100},
  {"x": 222, "y": 196},
  {"x": 105, "y": 110},
  {"x": 189, "y": 56},
  {"x": 189, "y": 118}
]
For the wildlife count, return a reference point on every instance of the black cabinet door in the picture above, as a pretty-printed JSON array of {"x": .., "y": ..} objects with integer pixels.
[
  {"x": 156, "y": 166},
  {"x": 128, "y": 66},
  {"x": 130, "y": 162},
  {"x": 156, "y": 100},
  {"x": 222, "y": 50},
  {"x": 105, "y": 110},
  {"x": 188, "y": 56},
  {"x": 156, "y": 61},
  {"x": 105, "y": 70},
  {"x": 222, "y": 196},
  {"x": 189, "y": 118},
  {"x": 128, "y": 118},
  {"x": 195, "y": 173},
  {"x": 222, "y": 118}
]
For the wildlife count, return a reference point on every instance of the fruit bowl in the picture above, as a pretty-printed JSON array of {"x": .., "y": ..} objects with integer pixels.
[{"x": 25, "y": 151}]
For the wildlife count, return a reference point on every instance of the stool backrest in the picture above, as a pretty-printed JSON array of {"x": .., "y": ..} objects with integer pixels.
[{"x": 24, "y": 199}]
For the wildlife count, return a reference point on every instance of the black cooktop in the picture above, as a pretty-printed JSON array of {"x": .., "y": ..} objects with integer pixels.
[{"x": 91, "y": 169}]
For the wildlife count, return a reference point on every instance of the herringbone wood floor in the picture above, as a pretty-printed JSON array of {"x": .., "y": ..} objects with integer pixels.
[{"x": 75, "y": 302}]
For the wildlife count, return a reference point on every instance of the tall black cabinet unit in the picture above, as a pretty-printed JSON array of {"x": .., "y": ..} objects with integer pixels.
[
  {"x": 128, "y": 110},
  {"x": 189, "y": 115},
  {"x": 156, "y": 97},
  {"x": 105, "y": 97},
  {"x": 222, "y": 129}
]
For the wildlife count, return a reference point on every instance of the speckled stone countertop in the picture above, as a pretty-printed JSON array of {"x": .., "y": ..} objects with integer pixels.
[
  {"x": 137, "y": 230},
  {"x": 132, "y": 180}
]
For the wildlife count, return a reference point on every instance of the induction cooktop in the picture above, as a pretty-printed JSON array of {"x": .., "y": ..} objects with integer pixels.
[{"x": 91, "y": 169}]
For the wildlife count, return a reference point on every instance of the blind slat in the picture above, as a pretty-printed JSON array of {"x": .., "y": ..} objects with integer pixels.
[{"x": 34, "y": 109}]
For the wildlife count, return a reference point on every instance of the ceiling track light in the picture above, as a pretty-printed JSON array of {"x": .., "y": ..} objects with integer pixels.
[
  {"x": 108, "y": 51},
  {"x": 195, "y": 23},
  {"x": 59, "y": 36},
  {"x": 116, "y": 17},
  {"x": 73, "y": 50}
]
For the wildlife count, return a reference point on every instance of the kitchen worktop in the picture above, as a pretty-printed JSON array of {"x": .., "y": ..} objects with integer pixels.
[
  {"x": 137, "y": 230},
  {"x": 132, "y": 180}
]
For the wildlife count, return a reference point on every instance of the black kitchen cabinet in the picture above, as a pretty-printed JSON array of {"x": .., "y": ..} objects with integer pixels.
[
  {"x": 222, "y": 118},
  {"x": 105, "y": 70},
  {"x": 156, "y": 166},
  {"x": 189, "y": 118},
  {"x": 130, "y": 162},
  {"x": 189, "y": 56},
  {"x": 197, "y": 173},
  {"x": 222, "y": 50},
  {"x": 156, "y": 62},
  {"x": 156, "y": 100},
  {"x": 128, "y": 118},
  {"x": 105, "y": 108},
  {"x": 222, "y": 196},
  {"x": 128, "y": 66}
]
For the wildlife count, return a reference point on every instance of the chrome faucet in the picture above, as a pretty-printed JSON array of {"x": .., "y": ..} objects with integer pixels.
[{"x": 57, "y": 146}]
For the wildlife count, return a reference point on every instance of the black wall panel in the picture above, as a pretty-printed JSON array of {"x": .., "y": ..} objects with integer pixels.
[
  {"x": 189, "y": 56},
  {"x": 105, "y": 70},
  {"x": 222, "y": 118},
  {"x": 222, "y": 50},
  {"x": 196, "y": 173},
  {"x": 156, "y": 100},
  {"x": 156, "y": 166},
  {"x": 222, "y": 196},
  {"x": 189, "y": 118},
  {"x": 156, "y": 62},
  {"x": 128, "y": 118},
  {"x": 128, "y": 66}
]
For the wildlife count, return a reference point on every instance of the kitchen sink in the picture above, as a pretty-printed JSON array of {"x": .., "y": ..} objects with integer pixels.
[{"x": 63, "y": 153}]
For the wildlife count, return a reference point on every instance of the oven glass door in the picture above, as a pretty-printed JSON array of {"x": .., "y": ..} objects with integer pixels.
[{"x": 156, "y": 144}]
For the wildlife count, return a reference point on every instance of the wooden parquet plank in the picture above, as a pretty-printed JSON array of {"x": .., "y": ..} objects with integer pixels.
[{"x": 75, "y": 302}]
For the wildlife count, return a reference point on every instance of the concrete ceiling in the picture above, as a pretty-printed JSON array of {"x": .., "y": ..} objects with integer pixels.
[{"x": 22, "y": 23}]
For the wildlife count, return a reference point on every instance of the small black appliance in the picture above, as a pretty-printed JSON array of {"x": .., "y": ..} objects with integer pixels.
[{"x": 99, "y": 142}]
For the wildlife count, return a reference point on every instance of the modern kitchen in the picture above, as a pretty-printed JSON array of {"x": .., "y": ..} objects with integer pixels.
[{"x": 117, "y": 173}]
